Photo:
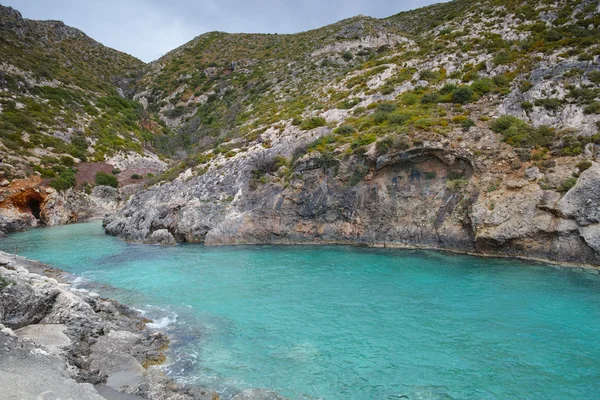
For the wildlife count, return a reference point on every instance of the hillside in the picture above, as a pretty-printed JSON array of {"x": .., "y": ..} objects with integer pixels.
[
  {"x": 468, "y": 125},
  {"x": 61, "y": 99}
]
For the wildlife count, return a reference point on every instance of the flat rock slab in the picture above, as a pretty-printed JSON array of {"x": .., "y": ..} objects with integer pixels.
[
  {"x": 51, "y": 336},
  {"x": 111, "y": 394},
  {"x": 27, "y": 372},
  {"x": 112, "y": 359}
]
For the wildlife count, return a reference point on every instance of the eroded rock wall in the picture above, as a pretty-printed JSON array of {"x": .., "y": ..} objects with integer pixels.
[
  {"x": 28, "y": 203},
  {"x": 438, "y": 195}
]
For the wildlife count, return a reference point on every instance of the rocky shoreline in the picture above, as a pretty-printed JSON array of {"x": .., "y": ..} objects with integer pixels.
[{"x": 57, "y": 341}]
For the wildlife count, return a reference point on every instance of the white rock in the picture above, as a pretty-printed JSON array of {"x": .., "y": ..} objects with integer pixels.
[
  {"x": 22, "y": 270},
  {"x": 8, "y": 331}
]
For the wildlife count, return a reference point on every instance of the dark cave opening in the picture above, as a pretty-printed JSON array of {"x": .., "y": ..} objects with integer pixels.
[
  {"x": 31, "y": 202},
  {"x": 35, "y": 206}
]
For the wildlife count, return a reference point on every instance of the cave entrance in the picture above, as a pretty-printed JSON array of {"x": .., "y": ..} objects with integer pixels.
[
  {"x": 36, "y": 208},
  {"x": 30, "y": 201}
]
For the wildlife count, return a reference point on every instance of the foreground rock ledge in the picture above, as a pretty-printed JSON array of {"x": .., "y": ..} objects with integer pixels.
[{"x": 60, "y": 342}]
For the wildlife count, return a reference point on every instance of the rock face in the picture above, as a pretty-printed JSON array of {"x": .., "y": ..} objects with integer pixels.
[
  {"x": 27, "y": 203},
  {"x": 433, "y": 196},
  {"x": 69, "y": 339}
]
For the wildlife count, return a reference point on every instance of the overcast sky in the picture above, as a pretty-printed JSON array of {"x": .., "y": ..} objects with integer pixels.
[{"x": 149, "y": 28}]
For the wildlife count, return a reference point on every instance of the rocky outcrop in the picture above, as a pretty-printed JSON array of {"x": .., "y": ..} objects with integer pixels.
[
  {"x": 65, "y": 340},
  {"x": 28, "y": 203},
  {"x": 433, "y": 196}
]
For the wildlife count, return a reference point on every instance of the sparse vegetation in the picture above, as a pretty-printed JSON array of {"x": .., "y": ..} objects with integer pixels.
[
  {"x": 104, "y": 179},
  {"x": 4, "y": 282}
]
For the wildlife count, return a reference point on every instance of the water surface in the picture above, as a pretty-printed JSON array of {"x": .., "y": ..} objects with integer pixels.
[{"x": 340, "y": 322}]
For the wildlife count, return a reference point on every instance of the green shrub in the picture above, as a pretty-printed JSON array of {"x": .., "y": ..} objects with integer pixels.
[
  {"x": 518, "y": 133},
  {"x": 455, "y": 185},
  {"x": 483, "y": 86},
  {"x": 583, "y": 165},
  {"x": 447, "y": 89},
  {"x": 501, "y": 81},
  {"x": 383, "y": 145},
  {"x": 525, "y": 86},
  {"x": 527, "y": 106},
  {"x": 67, "y": 161},
  {"x": 504, "y": 122},
  {"x": 380, "y": 117},
  {"x": 327, "y": 161},
  {"x": 364, "y": 140},
  {"x": 429, "y": 175},
  {"x": 386, "y": 107},
  {"x": 4, "y": 282},
  {"x": 567, "y": 184},
  {"x": 64, "y": 181},
  {"x": 104, "y": 179},
  {"x": 594, "y": 76},
  {"x": 462, "y": 95},
  {"x": 387, "y": 89},
  {"x": 504, "y": 57},
  {"x": 344, "y": 130},
  {"x": 429, "y": 75},
  {"x": 312, "y": 123},
  {"x": 398, "y": 118},
  {"x": 551, "y": 103},
  {"x": 280, "y": 162},
  {"x": 430, "y": 98},
  {"x": 44, "y": 172},
  {"x": 347, "y": 104},
  {"x": 347, "y": 56},
  {"x": 136, "y": 176},
  {"x": 409, "y": 99},
  {"x": 593, "y": 108},
  {"x": 467, "y": 124}
]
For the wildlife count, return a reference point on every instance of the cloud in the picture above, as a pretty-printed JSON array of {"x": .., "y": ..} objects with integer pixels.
[{"x": 148, "y": 29}]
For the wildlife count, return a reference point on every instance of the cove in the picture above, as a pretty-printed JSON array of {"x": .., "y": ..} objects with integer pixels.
[{"x": 338, "y": 322}]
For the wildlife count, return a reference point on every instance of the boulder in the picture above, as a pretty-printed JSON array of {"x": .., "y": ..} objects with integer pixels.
[
  {"x": 161, "y": 236},
  {"x": 582, "y": 202}
]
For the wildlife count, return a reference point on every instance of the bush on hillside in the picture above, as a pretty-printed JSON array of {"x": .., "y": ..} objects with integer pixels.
[
  {"x": 462, "y": 95},
  {"x": 518, "y": 133},
  {"x": 104, "y": 179},
  {"x": 64, "y": 181}
]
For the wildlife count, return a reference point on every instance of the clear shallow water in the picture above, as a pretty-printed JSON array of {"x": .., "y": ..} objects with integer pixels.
[{"x": 348, "y": 323}]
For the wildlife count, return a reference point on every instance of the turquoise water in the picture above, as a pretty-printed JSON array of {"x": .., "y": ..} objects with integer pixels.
[{"x": 348, "y": 323}]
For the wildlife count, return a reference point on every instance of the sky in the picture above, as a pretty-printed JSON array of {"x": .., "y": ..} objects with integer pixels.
[{"x": 147, "y": 29}]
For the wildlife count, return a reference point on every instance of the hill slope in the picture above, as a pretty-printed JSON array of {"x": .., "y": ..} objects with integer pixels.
[{"x": 61, "y": 98}]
